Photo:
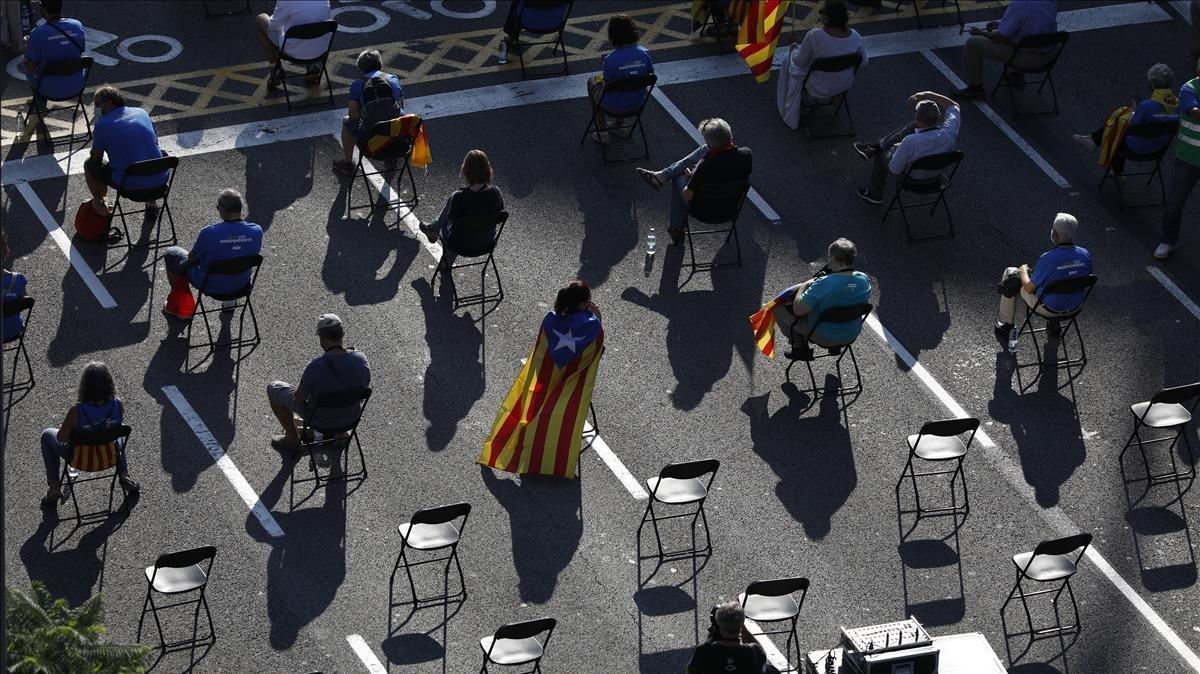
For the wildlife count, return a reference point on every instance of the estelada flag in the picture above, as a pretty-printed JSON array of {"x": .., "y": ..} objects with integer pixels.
[
  {"x": 763, "y": 322},
  {"x": 540, "y": 423},
  {"x": 758, "y": 34}
]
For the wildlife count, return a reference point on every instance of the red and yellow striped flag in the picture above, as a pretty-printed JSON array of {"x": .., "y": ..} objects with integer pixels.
[
  {"x": 759, "y": 33},
  {"x": 763, "y": 322}
]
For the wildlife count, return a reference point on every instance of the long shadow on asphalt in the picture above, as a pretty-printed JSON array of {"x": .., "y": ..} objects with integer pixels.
[
  {"x": 1157, "y": 529},
  {"x": 922, "y": 317},
  {"x": 813, "y": 456},
  {"x": 358, "y": 248},
  {"x": 455, "y": 377},
  {"x": 610, "y": 225},
  {"x": 664, "y": 601},
  {"x": 926, "y": 554},
  {"x": 77, "y": 573},
  {"x": 273, "y": 185}
]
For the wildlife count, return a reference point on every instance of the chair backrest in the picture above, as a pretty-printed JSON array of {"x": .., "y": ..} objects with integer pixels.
[
  {"x": 185, "y": 558},
  {"x": 442, "y": 514},
  {"x": 14, "y": 307},
  {"x": 64, "y": 68},
  {"x": 948, "y": 427},
  {"x": 476, "y": 235},
  {"x": 1070, "y": 286},
  {"x": 1153, "y": 129},
  {"x": 527, "y": 629},
  {"x": 1177, "y": 394},
  {"x": 778, "y": 587},
  {"x": 1044, "y": 43},
  {"x": 146, "y": 168},
  {"x": 150, "y": 167},
  {"x": 836, "y": 64},
  {"x": 714, "y": 203},
  {"x": 96, "y": 450},
  {"x": 846, "y": 314},
  {"x": 936, "y": 162},
  {"x": 1063, "y": 546},
  {"x": 392, "y": 138},
  {"x": 309, "y": 31},
  {"x": 337, "y": 400},
  {"x": 565, "y": 5},
  {"x": 689, "y": 470},
  {"x": 232, "y": 267},
  {"x": 626, "y": 84}
]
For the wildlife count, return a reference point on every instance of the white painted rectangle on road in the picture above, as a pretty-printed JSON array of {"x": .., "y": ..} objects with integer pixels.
[
  {"x": 365, "y": 654},
  {"x": 223, "y": 461}
]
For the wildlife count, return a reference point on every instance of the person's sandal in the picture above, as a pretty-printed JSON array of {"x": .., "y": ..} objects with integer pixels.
[
  {"x": 428, "y": 231},
  {"x": 650, "y": 177},
  {"x": 129, "y": 486}
]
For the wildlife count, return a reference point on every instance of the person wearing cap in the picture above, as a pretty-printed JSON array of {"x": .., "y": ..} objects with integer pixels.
[
  {"x": 833, "y": 39},
  {"x": 232, "y": 237},
  {"x": 933, "y": 130},
  {"x": 337, "y": 369},
  {"x": 999, "y": 39}
]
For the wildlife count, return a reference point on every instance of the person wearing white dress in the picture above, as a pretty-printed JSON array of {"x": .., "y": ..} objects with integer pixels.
[{"x": 834, "y": 38}]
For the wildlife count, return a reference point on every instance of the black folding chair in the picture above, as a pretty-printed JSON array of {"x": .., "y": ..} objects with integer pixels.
[
  {"x": 766, "y": 601},
  {"x": 473, "y": 238},
  {"x": 557, "y": 32},
  {"x": 1154, "y": 130},
  {"x": 318, "y": 439},
  {"x": 395, "y": 155},
  {"x": 856, "y": 313},
  {"x": 240, "y": 299},
  {"x": 15, "y": 344},
  {"x": 916, "y": 5},
  {"x": 1053, "y": 561},
  {"x": 147, "y": 197},
  {"x": 715, "y": 204},
  {"x": 680, "y": 484},
  {"x": 181, "y": 573},
  {"x": 518, "y": 644},
  {"x": 946, "y": 164},
  {"x": 41, "y": 109},
  {"x": 430, "y": 531},
  {"x": 937, "y": 442},
  {"x": 832, "y": 64},
  {"x": 232, "y": 9},
  {"x": 1052, "y": 45},
  {"x": 93, "y": 453},
  {"x": 306, "y": 31},
  {"x": 1167, "y": 411},
  {"x": 1066, "y": 321},
  {"x": 724, "y": 32},
  {"x": 642, "y": 83}
]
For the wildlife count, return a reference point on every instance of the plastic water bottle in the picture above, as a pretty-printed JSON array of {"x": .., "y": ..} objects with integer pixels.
[
  {"x": 502, "y": 57},
  {"x": 1012, "y": 339},
  {"x": 651, "y": 242}
]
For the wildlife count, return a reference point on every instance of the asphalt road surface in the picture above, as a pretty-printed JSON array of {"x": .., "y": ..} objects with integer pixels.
[{"x": 805, "y": 488}]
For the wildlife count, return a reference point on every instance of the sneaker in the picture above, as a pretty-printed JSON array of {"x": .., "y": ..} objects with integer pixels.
[
  {"x": 865, "y": 194},
  {"x": 1163, "y": 251},
  {"x": 321, "y": 458},
  {"x": 866, "y": 150},
  {"x": 312, "y": 76},
  {"x": 129, "y": 486},
  {"x": 1084, "y": 140},
  {"x": 283, "y": 445},
  {"x": 970, "y": 92},
  {"x": 1003, "y": 332},
  {"x": 428, "y": 231}
]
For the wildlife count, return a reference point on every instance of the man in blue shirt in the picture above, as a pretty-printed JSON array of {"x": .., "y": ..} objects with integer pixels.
[
  {"x": 1065, "y": 260},
  {"x": 231, "y": 237},
  {"x": 126, "y": 135},
  {"x": 1000, "y": 38},
  {"x": 838, "y": 286},
  {"x": 367, "y": 105},
  {"x": 627, "y": 59},
  {"x": 56, "y": 39}
]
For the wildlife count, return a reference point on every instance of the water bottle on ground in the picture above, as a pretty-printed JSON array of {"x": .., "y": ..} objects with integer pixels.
[
  {"x": 1012, "y": 340},
  {"x": 651, "y": 242},
  {"x": 502, "y": 57}
]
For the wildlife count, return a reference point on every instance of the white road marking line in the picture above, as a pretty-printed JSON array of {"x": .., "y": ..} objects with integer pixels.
[
  {"x": 774, "y": 655},
  {"x": 1184, "y": 10},
  {"x": 364, "y": 653},
  {"x": 223, "y": 461},
  {"x": 1004, "y": 127},
  {"x": 614, "y": 464},
  {"x": 682, "y": 120},
  {"x": 1175, "y": 290},
  {"x": 64, "y": 244},
  {"x": 453, "y": 103}
]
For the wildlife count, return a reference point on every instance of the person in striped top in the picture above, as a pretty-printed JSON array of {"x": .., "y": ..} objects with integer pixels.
[{"x": 1186, "y": 172}]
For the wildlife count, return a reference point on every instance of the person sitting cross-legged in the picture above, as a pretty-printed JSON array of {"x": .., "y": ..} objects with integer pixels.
[
  {"x": 836, "y": 285},
  {"x": 1065, "y": 260},
  {"x": 933, "y": 130},
  {"x": 126, "y": 134},
  {"x": 479, "y": 197},
  {"x": 230, "y": 238},
  {"x": 337, "y": 370},
  {"x": 375, "y": 97}
]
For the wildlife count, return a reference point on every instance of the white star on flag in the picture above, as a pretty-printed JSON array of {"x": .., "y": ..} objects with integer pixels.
[{"x": 566, "y": 340}]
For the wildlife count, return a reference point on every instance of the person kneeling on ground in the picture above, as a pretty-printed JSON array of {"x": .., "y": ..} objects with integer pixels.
[
  {"x": 231, "y": 238},
  {"x": 717, "y": 161},
  {"x": 836, "y": 285},
  {"x": 335, "y": 371},
  {"x": 479, "y": 197},
  {"x": 1065, "y": 260},
  {"x": 1160, "y": 107},
  {"x": 97, "y": 407},
  {"x": 375, "y": 97},
  {"x": 933, "y": 130},
  {"x": 730, "y": 648}
]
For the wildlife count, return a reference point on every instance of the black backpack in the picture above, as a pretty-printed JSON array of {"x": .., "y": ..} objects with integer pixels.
[{"x": 378, "y": 103}]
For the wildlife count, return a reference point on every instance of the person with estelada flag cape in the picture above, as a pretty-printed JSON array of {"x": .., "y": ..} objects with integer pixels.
[{"x": 540, "y": 424}]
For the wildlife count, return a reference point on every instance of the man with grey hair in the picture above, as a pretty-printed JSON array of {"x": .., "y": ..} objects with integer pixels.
[
  {"x": 730, "y": 648},
  {"x": 1065, "y": 260},
  {"x": 374, "y": 97},
  {"x": 934, "y": 130},
  {"x": 232, "y": 237},
  {"x": 717, "y": 161},
  {"x": 837, "y": 284},
  {"x": 1112, "y": 135}
]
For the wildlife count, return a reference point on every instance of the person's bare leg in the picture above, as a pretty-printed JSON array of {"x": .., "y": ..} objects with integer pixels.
[
  {"x": 348, "y": 143},
  {"x": 287, "y": 422},
  {"x": 263, "y": 21}
]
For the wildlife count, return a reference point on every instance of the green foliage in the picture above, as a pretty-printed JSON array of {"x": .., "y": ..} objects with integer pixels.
[{"x": 47, "y": 636}]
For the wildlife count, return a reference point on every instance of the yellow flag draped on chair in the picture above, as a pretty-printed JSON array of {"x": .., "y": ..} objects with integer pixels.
[{"x": 759, "y": 33}]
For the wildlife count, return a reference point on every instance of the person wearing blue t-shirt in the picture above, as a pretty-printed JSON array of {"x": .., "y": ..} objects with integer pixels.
[
  {"x": 13, "y": 287},
  {"x": 1065, "y": 260},
  {"x": 998, "y": 40},
  {"x": 839, "y": 286},
  {"x": 55, "y": 39},
  {"x": 367, "y": 107},
  {"x": 230, "y": 238},
  {"x": 1162, "y": 106},
  {"x": 627, "y": 59},
  {"x": 126, "y": 135},
  {"x": 543, "y": 16}
]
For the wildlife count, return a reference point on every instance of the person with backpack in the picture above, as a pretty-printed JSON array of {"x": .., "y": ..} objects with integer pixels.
[{"x": 375, "y": 97}]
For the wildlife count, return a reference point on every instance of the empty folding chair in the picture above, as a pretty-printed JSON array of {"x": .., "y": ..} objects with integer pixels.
[
  {"x": 15, "y": 344},
  {"x": 147, "y": 197},
  {"x": 944, "y": 165},
  {"x": 680, "y": 484},
  {"x": 518, "y": 644},
  {"x": 240, "y": 300},
  {"x": 916, "y": 5},
  {"x": 766, "y": 601},
  {"x": 391, "y": 142},
  {"x": 320, "y": 30},
  {"x": 474, "y": 238},
  {"x": 1170, "y": 411},
  {"x": 1153, "y": 130},
  {"x": 561, "y": 11},
  {"x": 642, "y": 83},
  {"x": 94, "y": 453},
  {"x": 1053, "y": 562},
  {"x": 937, "y": 442},
  {"x": 856, "y": 313},
  {"x": 433, "y": 530},
  {"x": 832, "y": 64},
  {"x": 79, "y": 67},
  {"x": 320, "y": 442},
  {"x": 1045, "y": 50},
  {"x": 178, "y": 574},
  {"x": 715, "y": 204},
  {"x": 1079, "y": 285}
]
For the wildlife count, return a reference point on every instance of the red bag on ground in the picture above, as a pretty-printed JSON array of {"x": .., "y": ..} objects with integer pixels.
[{"x": 89, "y": 224}]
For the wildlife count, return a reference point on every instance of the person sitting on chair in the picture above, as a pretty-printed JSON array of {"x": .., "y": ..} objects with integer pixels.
[
  {"x": 933, "y": 130},
  {"x": 627, "y": 59},
  {"x": 544, "y": 16},
  {"x": 729, "y": 647},
  {"x": 271, "y": 29},
  {"x": 833, "y": 39},
  {"x": 717, "y": 161},
  {"x": 999, "y": 39},
  {"x": 479, "y": 197},
  {"x": 97, "y": 407},
  {"x": 126, "y": 135},
  {"x": 337, "y": 370},
  {"x": 1065, "y": 260},
  {"x": 232, "y": 237},
  {"x": 1162, "y": 106},
  {"x": 56, "y": 39},
  {"x": 13, "y": 287},
  {"x": 375, "y": 97},
  {"x": 836, "y": 285}
]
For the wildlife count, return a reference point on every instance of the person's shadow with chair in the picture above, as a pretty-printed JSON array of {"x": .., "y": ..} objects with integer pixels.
[
  {"x": 454, "y": 379},
  {"x": 359, "y": 246},
  {"x": 273, "y": 183},
  {"x": 74, "y": 574},
  {"x": 610, "y": 225}
]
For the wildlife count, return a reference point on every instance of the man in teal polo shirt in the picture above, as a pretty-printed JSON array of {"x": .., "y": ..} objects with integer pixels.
[{"x": 839, "y": 286}]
